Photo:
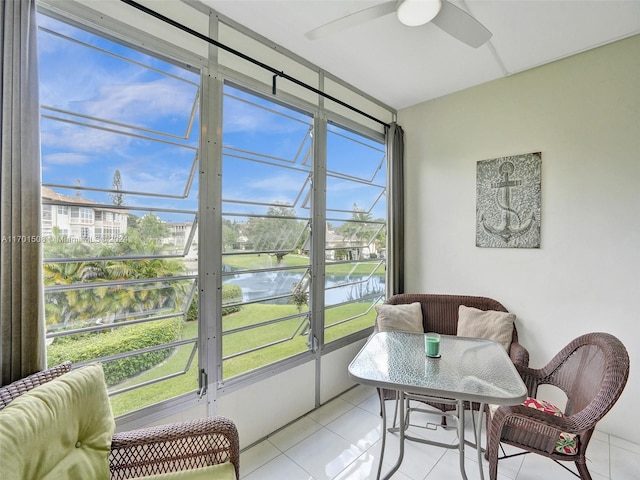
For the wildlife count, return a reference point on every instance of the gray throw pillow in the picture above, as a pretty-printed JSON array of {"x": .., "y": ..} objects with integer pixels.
[
  {"x": 403, "y": 318},
  {"x": 489, "y": 324}
]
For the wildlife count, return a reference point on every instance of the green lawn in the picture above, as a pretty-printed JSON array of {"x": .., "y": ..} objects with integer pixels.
[
  {"x": 290, "y": 331},
  {"x": 157, "y": 392},
  {"x": 255, "y": 261},
  {"x": 256, "y": 313},
  {"x": 234, "y": 343}
]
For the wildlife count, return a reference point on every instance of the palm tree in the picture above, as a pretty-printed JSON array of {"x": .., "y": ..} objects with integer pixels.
[
  {"x": 66, "y": 307},
  {"x": 108, "y": 304}
]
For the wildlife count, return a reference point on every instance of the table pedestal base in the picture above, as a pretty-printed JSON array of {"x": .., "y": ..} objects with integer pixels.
[{"x": 459, "y": 416}]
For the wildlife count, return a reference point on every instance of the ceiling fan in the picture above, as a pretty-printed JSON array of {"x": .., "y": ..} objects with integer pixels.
[{"x": 442, "y": 13}]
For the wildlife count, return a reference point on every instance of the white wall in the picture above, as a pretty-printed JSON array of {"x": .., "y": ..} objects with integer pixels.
[
  {"x": 264, "y": 407},
  {"x": 334, "y": 375},
  {"x": 583, "y": 114}
]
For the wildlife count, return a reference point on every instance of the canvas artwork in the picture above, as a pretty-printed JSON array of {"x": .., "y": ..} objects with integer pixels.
[{"x": 508, "y": 202}]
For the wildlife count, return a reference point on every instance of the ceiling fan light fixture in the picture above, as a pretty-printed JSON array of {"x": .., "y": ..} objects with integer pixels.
[{"x": 417, "y": 12}]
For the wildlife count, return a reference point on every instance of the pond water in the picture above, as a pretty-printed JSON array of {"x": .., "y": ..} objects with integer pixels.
[{"x": 338, "y": 288}]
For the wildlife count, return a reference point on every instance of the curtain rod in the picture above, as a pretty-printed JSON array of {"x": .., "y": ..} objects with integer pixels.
[{"x": 276, "y": 72}]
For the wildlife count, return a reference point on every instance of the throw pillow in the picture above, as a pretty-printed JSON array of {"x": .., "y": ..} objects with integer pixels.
[
  {"x": 403, "y": 318},
  {"x": 567, "y": 443},
  {"x": 489, "y": 324},
  {"x": 61, "y": 429}
]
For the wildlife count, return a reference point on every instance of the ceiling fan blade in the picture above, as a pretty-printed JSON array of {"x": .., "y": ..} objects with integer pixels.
[
  {"x": 351, "y": 20},
  {"x": 459, "y": 24}
]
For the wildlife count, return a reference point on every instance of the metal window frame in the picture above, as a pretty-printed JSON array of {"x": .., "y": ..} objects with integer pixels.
[
  {"x": 252, "y": 87},
  {"x": 89, "y": 20},
  {"x": 210, "y": 266}
]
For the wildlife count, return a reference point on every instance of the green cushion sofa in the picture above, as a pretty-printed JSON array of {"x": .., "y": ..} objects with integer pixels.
[{"x": 58, "y": 424}]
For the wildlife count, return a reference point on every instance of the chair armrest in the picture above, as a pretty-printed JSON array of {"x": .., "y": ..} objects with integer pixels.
[
  {"x": 518, "y": 354},
  {"x": 533, "y": 378},
  {"x": 174, "y": 447}
]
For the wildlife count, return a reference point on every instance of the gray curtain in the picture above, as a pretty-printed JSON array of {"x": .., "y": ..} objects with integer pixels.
[
  {"x": 22, "y": 349},
  {"x": 395, "y": 209}
]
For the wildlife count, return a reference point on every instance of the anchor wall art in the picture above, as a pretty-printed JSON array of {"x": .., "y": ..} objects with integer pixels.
[{"x": 508, "y": 202}]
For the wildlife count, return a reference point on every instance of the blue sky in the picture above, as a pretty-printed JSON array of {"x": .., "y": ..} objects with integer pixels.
[{"x": 147, "y": 100}]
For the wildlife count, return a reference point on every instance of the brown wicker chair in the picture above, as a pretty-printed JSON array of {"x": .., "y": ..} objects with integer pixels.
[
  {"x": 15, "y": 389},
  {"x": 440, "y": 315},
  {"x": 161, "y": 449},
  {"x": 592, "y": 371}
]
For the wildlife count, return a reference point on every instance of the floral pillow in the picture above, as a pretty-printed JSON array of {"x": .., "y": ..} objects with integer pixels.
[
  {"x": 543, "y": 405},
  {"x": 567, "y": 443}
]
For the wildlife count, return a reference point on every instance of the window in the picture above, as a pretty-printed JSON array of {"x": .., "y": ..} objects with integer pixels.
[
  {"x": 120, "y": 186},
  {"x": 355, "y": 248},
  {"x": 268, "y": 173},
  {"x": 86, "y": 215},
  {"x": 119, "y": 132},
  {"x": 46, "y": 221},
  {"x": 81, "y": 214},
  {"x": 267, "y": 176}
]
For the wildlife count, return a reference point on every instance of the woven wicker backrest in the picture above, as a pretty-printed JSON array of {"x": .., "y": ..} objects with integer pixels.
[
  {"x": 580, "y": 376},
  {"x": 440, "y": 312},
  {"x": 17, "y": 388},
  {"x": 592, "y": 370}
]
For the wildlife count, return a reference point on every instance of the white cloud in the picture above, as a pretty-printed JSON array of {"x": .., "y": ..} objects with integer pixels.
[
  {"x": 60, "y": 135},
  {"x": 335, "y": 186},
  {"x": 159, "y": 180},
  {"x": 243, "y": 117},
  {"x": 141, "y": 102},
  {"x": 278, "y": 183},
  {"x": 66, "y": 159}
]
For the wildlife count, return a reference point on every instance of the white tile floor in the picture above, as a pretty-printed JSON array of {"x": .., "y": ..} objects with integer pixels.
[{"x": 341, "y": 441}]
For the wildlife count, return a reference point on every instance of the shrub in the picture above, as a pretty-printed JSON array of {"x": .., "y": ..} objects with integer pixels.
[
  {"x": 85, "y": 347},
  {"x": 192, "y": 313},
  {"x": 230, "y": 294},
  {"x": 299, "y": 297}
]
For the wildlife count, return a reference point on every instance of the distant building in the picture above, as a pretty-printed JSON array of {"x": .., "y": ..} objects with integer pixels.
[
  {"x": 339, "y": 247},
  {"x": 179, "y": 233},
  {"x": 81, "y": 219},
  {"x": 242, "y": 243}
]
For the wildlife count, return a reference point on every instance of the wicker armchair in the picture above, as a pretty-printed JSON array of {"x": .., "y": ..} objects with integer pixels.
[
  {"x": 440, "y": 315},
  {"x": 592, "y": 371},
  {"x": 166, "y": 448},
  {"x": 17, "y": 388}
]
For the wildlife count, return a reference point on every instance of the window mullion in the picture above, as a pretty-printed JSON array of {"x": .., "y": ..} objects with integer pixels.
[
  {"x": 318, "y": 227},
  {"x": 210, "y": 221}
]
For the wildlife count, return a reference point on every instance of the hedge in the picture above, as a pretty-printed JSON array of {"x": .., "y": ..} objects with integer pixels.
[
  {"x": 230, "y": 294},
  {"x": 80, "y": 348}
]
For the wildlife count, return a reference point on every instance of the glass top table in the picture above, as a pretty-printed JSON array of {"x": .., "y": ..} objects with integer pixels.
[{"x": 469, "y": 369}]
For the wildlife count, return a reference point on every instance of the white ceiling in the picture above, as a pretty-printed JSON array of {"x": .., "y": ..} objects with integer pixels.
[{"x": 403, "y": 66}]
